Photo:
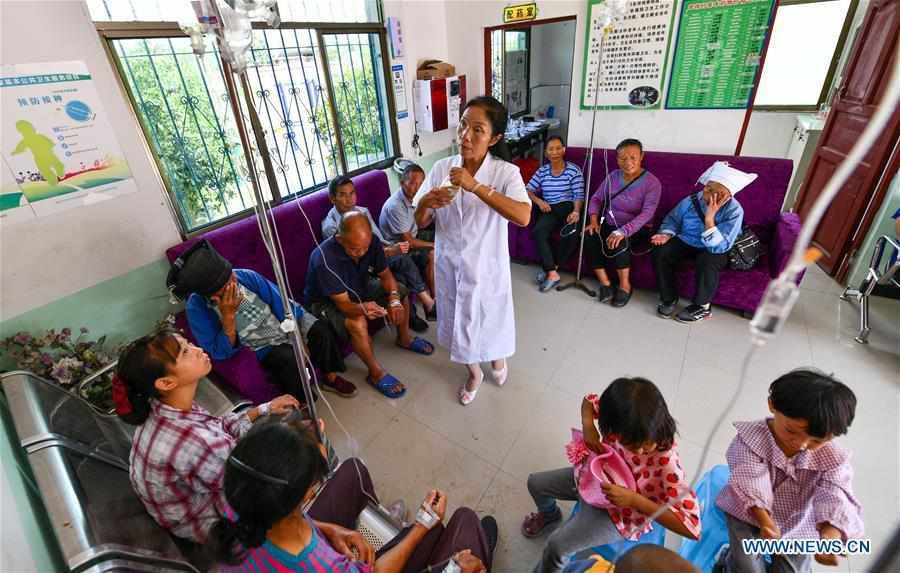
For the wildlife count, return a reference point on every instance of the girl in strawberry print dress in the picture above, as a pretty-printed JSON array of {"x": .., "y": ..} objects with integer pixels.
[{"x": 630, "y": 417}]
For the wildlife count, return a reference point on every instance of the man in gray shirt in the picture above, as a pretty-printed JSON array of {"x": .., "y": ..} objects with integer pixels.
[
  {"x": 343, "y": 196},
  {"x": 398, "y": 223}
]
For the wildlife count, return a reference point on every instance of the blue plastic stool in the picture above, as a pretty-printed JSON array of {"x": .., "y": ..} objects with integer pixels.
[
  {"x": 656, "y": 536},
  {"x": 702, "y": 553}
]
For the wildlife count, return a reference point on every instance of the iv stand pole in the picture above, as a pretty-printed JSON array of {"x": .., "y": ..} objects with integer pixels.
[
  {"x": 578, "y": 283},
  {"x": 262, "y": 212}
]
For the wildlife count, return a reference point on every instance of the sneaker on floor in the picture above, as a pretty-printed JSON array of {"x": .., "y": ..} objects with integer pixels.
[
  {"x": 491, "y": 531},
  {"x": 398, "y": 511},
  {"x": 604, "y": 293},
  {"x": 416, "y": 323},
  {"x": 693, "y": 313},
  {"x": 621, "y": 298},
  {"x": 666, "y": 309}
]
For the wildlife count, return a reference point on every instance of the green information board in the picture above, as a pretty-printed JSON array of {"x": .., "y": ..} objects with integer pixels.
[{"x": 717, "y": 53}]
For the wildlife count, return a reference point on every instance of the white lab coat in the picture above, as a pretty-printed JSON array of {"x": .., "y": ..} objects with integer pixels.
[{"x": 472, "y": 278}]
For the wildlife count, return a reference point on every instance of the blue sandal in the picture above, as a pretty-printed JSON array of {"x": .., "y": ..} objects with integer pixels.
[
  {"x": 386, "y": 386},
  {"x": 420, "y": 346}
]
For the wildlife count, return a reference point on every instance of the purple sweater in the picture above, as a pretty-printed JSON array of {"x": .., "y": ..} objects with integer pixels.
[{"x": 631, "y": 209}]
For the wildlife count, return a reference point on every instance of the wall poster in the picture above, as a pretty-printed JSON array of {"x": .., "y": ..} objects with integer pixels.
[
  {"x": 717, "y": 53},
  {"x": 634, "y": 55},
  {"x": 58, "y": 149}
]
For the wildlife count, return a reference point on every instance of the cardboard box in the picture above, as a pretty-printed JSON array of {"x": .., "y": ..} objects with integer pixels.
[{"x": 434, "y": 70}]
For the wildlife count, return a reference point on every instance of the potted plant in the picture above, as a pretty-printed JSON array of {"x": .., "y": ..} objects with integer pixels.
[{"x": 57, "y": 357}]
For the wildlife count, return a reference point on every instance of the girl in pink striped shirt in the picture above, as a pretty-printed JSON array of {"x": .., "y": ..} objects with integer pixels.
[{"x": 788, "y": 478}]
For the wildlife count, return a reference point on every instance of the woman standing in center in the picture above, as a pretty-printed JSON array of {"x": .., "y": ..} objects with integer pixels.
[{"x": 472, "y": 277}]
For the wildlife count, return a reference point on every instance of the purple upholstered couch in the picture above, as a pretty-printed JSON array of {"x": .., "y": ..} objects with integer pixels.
[
  {"x": 678, "y": 172},
  {"x": 241, "y": 243}
]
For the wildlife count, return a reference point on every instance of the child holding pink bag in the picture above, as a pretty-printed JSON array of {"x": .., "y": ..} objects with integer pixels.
[{"x": 626, "y": 467}]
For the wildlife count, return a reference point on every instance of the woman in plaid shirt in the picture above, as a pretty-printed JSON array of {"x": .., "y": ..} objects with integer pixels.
[{"x": 179, "y": 449}]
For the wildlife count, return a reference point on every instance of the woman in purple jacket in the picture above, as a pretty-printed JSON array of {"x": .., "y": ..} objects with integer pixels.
[{"x": 620, "y": 211}]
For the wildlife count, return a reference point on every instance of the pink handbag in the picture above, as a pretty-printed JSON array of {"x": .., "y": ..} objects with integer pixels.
[{"x": 593, "y": 470}]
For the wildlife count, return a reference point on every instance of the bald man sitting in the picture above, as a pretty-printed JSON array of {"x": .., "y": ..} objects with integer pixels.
[{"x": 340, "y": 288}]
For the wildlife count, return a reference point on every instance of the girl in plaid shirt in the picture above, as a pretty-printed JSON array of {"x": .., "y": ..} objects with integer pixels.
[
  {"x": 179, "y": 450},
  {"x": 788, "y": 479}
]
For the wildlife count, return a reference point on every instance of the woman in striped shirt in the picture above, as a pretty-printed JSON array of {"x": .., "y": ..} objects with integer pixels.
[
  {"x": 561, "y": 185},
  {"x": 273, "y": 474}
]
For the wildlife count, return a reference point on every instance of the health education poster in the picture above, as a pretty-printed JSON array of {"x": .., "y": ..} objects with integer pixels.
[
  {"x": 58, "y": 148},
  {"x": 717, "y": 53},
  {"x": 634, "y": 56}
]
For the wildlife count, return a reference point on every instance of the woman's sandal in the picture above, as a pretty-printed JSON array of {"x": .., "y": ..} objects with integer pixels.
[
  {"x": 536, "y": 523},
  {"x": 466, "y": 397},
  {"x": 386, "y": 386},
  {"x": 500, "y": 376}
]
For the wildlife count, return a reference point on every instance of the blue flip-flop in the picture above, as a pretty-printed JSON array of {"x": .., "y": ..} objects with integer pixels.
[
  {"x": 548, "y": 284},
  {"x": 386, "y": 386},
  {"x": 419, "y": 346}
]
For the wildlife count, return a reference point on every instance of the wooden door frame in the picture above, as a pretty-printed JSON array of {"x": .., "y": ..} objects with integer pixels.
[
  {"x": 886, "y": 177},
  {"x": 882, "y": 174},
  {"x": 518, "y": 26}
]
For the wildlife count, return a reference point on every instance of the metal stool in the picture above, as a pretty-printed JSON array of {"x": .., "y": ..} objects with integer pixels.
[{"x": 882, "y": 273}]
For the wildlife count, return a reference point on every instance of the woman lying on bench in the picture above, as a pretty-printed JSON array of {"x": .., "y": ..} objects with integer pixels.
[
  {"x": 179, "y": 450},
  {"x": 273, "y": 473}
]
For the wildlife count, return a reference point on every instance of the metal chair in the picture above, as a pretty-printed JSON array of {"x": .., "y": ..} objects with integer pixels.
[
  {"x": 882, "y": 274},
  {"x": 79, "y": 461}
]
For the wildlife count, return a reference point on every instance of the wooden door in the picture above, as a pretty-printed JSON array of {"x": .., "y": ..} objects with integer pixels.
[{"x": 865, "y": 78}]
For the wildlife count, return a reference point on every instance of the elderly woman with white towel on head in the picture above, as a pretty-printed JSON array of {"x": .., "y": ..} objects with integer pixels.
[
  {"x": 471, "y": 197},
  {"x": 703, "y": 225}
]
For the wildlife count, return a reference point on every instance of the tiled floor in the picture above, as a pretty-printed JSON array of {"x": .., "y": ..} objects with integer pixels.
[{"x": 568, "y": 345}]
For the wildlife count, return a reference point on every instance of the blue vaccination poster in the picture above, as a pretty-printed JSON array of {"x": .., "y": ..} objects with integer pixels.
[{"x": 58, "y": 148}]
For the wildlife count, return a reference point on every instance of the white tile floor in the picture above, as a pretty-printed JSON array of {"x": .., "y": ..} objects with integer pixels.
[{"x": 568, "y": 345}]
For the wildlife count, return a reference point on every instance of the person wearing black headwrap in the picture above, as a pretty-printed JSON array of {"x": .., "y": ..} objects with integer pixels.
[{"x": 228, "y": 309}]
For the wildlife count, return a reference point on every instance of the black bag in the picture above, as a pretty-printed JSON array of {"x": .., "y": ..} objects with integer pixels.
[{"x": 747, "y": 248}]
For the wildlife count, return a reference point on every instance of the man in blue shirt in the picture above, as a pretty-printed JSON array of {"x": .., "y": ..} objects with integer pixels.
[
  {"x": 704, "y": 226},
  {"x": 341, "y": 288},
  {"x": 229, "y": 309},
  {"x": 342, "y": 193}
]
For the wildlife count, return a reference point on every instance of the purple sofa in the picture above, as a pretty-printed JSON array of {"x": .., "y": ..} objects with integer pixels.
[
  {"x": 678, "y": 173},
  {"x": 241, "y": 243}
]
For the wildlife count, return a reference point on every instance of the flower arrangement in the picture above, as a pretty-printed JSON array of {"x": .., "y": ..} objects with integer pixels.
[{"x": 58, "y": 357}]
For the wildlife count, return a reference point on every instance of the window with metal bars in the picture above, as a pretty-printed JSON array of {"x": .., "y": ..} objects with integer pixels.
[{"x": 319, "y": 91}]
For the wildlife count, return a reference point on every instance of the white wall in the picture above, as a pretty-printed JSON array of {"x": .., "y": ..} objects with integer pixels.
[
  {"x": 693, "y": 131},
  {"x": 551, "y": 67},
  {"x": 48, "y": 258},
  {"x": 425, "y": 37}
]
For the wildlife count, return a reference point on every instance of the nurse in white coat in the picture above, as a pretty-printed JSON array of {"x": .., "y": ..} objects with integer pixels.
[{"x": 470, "y": 197}]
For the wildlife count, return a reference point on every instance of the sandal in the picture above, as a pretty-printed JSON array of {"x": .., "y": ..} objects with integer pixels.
[
  {"x": 500, "y": 376},
  {"x": 419, "y": 346},
  {"x": 536, "y": 523},
  {"x": 466, "y": 396},
  {"x": 387, "y": 386}
]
